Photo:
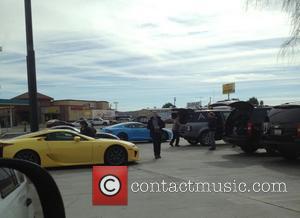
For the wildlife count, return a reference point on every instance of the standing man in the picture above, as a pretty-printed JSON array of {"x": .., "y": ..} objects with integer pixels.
[
  {"x": 175, "y": 130},
  {"x": 86, "y": 130},
  {"x": 212, "y": 127},
  {"x": 155, "y": 125}
]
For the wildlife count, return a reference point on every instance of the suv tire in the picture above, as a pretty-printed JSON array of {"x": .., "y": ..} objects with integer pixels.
[
  {"x": 193, "y": 141},
  {"x": 204, "y": 139},
  {"x": 249, "y": 148}
]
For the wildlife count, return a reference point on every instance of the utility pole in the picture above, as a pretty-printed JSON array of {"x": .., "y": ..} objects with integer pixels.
[{"x": 31, "y": 73}]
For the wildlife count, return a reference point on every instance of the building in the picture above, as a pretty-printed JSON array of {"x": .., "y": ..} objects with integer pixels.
[
  {"x": 16, "y": 110},
  {"x": 71, "y": 110},
  {"x": 21, "y": 113},
  {"x": 164, "y": 113}
]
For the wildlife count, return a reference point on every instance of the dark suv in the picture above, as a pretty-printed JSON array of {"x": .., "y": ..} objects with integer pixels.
[
  {"x": 244, "y": 126},
  {"x": 283, "y": 130},
  {"x": 194, "y": 125}
]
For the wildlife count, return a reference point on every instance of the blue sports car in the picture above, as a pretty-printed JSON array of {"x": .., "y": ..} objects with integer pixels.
[{"x": 134, "y": 131}]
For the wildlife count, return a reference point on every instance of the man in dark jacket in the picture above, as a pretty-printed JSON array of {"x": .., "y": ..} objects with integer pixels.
[
  {"x": 155, "y": 125},
  {"x": 212, "y": 127},
  {"x": 86, "y": 130}
]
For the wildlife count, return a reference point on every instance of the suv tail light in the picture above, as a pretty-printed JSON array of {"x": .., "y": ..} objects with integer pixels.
[
  {"x": 298, "y": 130},
  {"x": 249, "y": 128}
]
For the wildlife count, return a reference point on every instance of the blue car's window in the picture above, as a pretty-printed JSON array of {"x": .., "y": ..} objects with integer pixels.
[{"x": 135, "y": 125}]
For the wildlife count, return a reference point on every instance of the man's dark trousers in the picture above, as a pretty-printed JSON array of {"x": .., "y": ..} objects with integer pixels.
[
  {"x": 175, "y": 138},
  {"x": 156, "y": 137}
]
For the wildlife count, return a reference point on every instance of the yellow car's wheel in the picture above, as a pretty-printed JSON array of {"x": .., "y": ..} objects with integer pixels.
[
  {"x": 29, "y": 155},
  {"x": 116, "y": 155}
]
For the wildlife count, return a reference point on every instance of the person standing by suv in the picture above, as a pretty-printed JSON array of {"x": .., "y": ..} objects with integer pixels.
[
  {"x": 175, "y": 130},
  {"x": 155, "y": 125},
  {"x": 212, "y": 127}
]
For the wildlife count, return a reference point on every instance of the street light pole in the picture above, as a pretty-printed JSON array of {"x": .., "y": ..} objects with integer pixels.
[{"x": 31, "y": 73}]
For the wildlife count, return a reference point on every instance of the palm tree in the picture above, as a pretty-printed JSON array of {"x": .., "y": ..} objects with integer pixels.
[{"x": 292, "y": 8}]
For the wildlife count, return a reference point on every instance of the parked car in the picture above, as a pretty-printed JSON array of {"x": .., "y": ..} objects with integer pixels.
[
  {"x": 55, "y": 122},
  {"x": 283, "y": 130},
  {"x": 61, "y": 147},
  {"x": 99, "y": 135},
  {"x": 99, "y": 121},
  {"x": 194, "y": 124},
  {"x": 15, "y": 197},
  {"x": 123, "y": 118},
  {"x": 135, "y": 131},
  {"x": 77, "y": 123},
  {"x": 142, "y": 119},
  {"x": 244, "y": 126}
]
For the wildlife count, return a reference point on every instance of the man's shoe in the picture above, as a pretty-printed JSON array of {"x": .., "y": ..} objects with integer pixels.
[
  {"x": 156, "y": 157},
  {"x": 177, "y": 145},
  {"x": 212, "y": 148},
  {"x": 171, "y": 145},
  {"x": 159, "y": 157}
]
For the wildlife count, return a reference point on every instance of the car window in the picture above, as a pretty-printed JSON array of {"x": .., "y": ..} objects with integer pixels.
[
  {"x": 140, "y": 126},
  {"x": 8, "y": 182},
  {"x": 226, "y": 114},
  {"x": 60, "y": 136},
  {"x": 197, "y": 117},
  {"x": 285, "y": 115},
  {"x": 130, "y": 126}
]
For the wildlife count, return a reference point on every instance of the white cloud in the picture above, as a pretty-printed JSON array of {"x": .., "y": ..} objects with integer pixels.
[{"x": 155, "y": 46}]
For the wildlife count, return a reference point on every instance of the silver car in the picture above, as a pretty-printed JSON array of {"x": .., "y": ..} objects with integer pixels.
[{"x": 194, "y": 125}]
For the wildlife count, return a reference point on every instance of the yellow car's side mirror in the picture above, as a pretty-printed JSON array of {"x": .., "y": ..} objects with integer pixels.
[{"x": 76, "y": 138}]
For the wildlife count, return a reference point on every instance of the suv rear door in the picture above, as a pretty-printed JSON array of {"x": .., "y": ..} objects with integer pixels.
[
  {"x": 284, "y": 122},
  {"x": 236, "y": 123}
]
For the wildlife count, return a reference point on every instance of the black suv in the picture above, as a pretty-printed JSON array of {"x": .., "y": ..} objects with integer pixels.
[
  {"x": 283, "y": 130},
  {"x": 244, "y": 126},
  {"x": 194, "y": 125}
]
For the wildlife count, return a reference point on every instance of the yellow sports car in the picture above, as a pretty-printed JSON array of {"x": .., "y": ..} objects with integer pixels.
[{"x": 60, "y": 147}]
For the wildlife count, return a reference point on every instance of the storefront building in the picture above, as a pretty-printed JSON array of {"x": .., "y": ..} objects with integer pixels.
[{"x": 16, "y": 111}]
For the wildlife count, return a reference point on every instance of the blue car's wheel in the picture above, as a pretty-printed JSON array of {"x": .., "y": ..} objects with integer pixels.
[{"x": 123, "y": 136}]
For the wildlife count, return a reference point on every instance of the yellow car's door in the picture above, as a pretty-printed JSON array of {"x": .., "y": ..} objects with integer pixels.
[{"x": 64, "y": 149}]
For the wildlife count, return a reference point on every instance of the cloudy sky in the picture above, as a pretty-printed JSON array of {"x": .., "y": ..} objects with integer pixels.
[{"x": 142, "y": 53}]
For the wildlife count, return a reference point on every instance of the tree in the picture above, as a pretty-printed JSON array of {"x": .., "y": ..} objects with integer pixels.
[
  {"x": 253, "y": 101},
  {"x": 168, "y": 105},
  {"x": 292, "y": 8}
]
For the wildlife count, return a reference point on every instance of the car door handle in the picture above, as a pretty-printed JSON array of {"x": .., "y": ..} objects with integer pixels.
[{"x": 28, "y": 202}]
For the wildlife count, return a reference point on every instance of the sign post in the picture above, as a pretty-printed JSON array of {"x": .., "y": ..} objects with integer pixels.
[
  {"x": 31, "y": 73},
  {"x": 228, "y": 88}
]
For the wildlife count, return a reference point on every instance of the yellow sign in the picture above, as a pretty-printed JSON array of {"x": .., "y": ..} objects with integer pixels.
[
  {"x": 228, "y": 88},
  {"x": 51, "y": 110}
]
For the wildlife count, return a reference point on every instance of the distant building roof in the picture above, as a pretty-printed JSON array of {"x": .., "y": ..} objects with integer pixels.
[
  {"x": 39, "y": 96},
  {"x": 79, "y": 100},
  {"x": 13, "y": 102}
]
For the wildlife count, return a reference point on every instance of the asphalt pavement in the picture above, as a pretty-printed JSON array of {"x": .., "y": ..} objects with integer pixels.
[{"x": 191, "y": 163}]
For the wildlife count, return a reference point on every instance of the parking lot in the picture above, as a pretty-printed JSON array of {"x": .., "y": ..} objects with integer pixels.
[{"x": 180, "y": 164}]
